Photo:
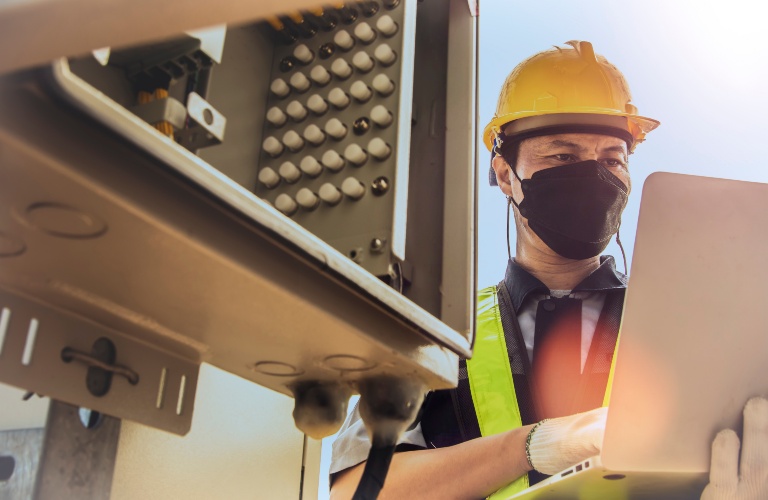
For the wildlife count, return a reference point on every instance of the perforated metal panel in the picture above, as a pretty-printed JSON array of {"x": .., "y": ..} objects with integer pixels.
[{"x": 336, "y": 136}]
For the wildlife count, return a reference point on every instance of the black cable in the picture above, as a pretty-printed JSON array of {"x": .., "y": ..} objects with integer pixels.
[
  {"x": 376, "y": 468},
  {"x": 623, "y": 255}
]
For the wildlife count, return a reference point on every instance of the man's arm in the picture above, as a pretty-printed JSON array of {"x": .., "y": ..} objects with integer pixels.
[{"x": 473, "y": 469}]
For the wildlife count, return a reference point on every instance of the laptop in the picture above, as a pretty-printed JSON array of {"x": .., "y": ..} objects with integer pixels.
[{"x": 693, "y": 342}]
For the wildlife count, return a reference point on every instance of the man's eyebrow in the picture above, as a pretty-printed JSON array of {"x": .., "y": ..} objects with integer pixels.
[{"x": 558, "y": 143}]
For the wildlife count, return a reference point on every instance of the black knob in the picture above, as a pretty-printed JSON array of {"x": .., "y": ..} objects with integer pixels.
[
  {"x": 369, "y": 8},
  {"x": 361, "y": 125},
  {"x": 288, "y": 63},
  {"x": 380, "y": 185},
  {"x": 348, "y": 15},
  {"x": 326, "y": 50}
]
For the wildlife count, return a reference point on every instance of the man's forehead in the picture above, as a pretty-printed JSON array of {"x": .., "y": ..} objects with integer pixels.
[{"x": 576, "y": 141}]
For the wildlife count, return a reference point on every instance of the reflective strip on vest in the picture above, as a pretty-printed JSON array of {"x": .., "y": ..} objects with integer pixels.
[{"x": 490, "y": 380}]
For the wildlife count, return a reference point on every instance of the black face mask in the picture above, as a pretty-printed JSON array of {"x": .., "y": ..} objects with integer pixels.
[{"x": 575, "y": 209}]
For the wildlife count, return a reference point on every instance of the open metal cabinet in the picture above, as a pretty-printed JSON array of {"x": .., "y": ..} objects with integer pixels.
[{"x": 289, "y": 204}]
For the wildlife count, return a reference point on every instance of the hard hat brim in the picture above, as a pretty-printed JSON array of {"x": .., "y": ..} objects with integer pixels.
[{"x": 513, "y": 124}]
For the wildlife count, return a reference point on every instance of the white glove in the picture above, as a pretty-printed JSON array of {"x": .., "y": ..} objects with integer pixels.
[
  {"x": 561, "y": 442},
  {"x": 731, "y": 479}
]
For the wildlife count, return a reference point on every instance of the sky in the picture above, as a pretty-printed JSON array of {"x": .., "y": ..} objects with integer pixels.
[{"x": 699, "y": 67}]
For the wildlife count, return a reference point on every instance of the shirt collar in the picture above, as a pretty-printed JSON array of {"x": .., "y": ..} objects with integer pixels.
[{"x": 520, "y": 283}]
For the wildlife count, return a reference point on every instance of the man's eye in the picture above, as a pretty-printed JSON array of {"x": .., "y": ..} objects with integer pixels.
[
  {"x": 564, "y": 157},
  {"x": 612, "y": 162}
]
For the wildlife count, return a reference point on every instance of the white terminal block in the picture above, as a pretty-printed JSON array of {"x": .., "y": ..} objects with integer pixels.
[
  {"x": 272, "y": 146},
  {"x": 353, "y": 188},
  {"x": 310, "y": 166},
  {"x": 332, "y": 161},
  {"x": 381, "y": 116},
  {"x": 276, "y": 117},
  {"x": 296, "y": 110},
  {"x": 293, "y": 141},
  {"x": 386, "y": 25},
  {"x": 299, "y": 82},
  {"x": 330, "y": 194},
  {"x": 355, "y": 155},
  {"x": 384, "y": 54},
  {"x": 360, "y": 91},
  {"x": 379, "y": 149},
  {"x": 303, "y": 54},
  {"x": 362, "y": 61},
  {"x": 335, "y": 129},
  {"x": 320, "y": 75},
  {"x": 338, "y": 98},
  {"x": 383, "y": 85},
  {"x": 268, "y": 177},
  {"x": 314, "y": 135},
  {"x": 317, "y": 104},
  {"x": 289, "y": 172},
  {"x": 285, "y": 204},
  {"x": 341, "y": 69},
  {"x": 307, "y": 199},
  {"x": 280, "y": 88},
  {"x": 364, "y": 32},
  {"x": 343, "y": 40}
]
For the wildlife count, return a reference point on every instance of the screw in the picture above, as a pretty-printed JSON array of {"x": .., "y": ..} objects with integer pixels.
[
  {"x": 361, "y": 125},
  {"x": 391, "y": 4},
  {"x": 380, "y": 185},
  {"x": 377, "y": 245}
]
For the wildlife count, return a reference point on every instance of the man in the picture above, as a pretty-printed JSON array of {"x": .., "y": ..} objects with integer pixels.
[{"x": 530, "y": 401}]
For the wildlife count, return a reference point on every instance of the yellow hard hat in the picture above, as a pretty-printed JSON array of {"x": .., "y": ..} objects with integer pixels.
[{"x": 566, "y": 87}]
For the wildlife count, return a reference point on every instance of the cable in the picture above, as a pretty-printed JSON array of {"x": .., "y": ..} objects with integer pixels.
[
  {"x": 376, "y": 468},
  {"x": 623, "y": 255}
]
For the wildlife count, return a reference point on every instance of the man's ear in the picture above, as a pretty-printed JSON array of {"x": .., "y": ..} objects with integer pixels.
[{"x": 503, "y": 173}]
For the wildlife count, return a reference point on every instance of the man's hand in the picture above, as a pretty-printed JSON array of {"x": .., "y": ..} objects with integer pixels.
[
  {"x": 561, "y": 442},
  {"x": 745, "y": 479}
]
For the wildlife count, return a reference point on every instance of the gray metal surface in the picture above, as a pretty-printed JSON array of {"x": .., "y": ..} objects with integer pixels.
[
  {"x": 76, "y": 462},
  {"x": 23, "y": 446}
]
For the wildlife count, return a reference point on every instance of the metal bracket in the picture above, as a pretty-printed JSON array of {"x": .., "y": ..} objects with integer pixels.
[
  {"x": 209, "y": 125},
  {"x": 36, "y": 340}
]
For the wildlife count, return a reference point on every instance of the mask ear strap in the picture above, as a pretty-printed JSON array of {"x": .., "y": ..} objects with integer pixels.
[{"x": 618, "y": 241}]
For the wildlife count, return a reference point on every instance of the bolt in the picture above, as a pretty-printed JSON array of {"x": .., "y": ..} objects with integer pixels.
[
  {"x": 391, "y": 4},
  {"x": 380, "y": 185}
]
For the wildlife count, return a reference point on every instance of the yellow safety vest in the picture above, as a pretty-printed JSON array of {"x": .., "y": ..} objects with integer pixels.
[{"x": 490, "y": 380}]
